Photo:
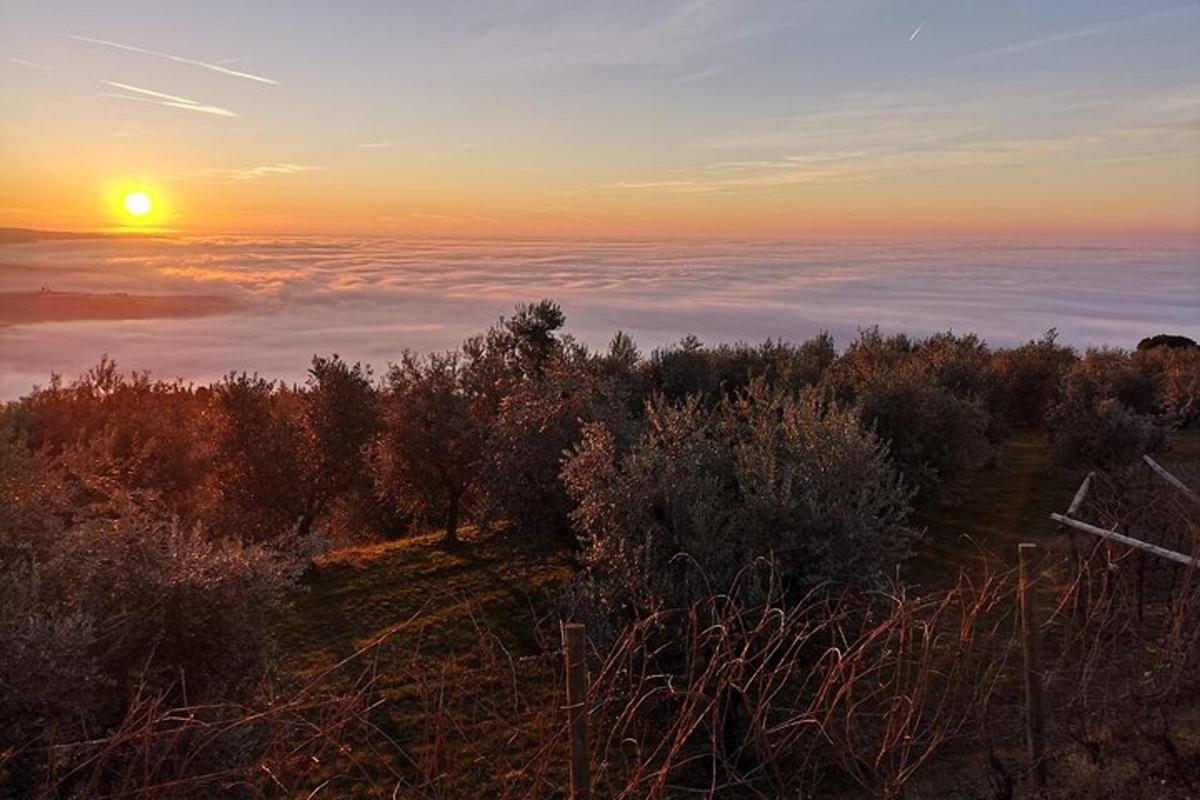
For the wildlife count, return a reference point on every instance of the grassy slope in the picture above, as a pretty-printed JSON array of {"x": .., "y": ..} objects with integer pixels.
[
  {"x": 357, "y": 594},
  {"x": 993, "y": 509},
  {"x": 417, "y": 591},
  {"x": 464, "y": 620}
]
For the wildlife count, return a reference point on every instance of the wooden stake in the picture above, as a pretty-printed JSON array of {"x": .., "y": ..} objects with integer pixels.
[
  {"x": 1140, "y": 515},
  {"x": 1171, "y": 479},
  {"x": 1076, "y": 504},
  {"x": 1141, "y": 584},
  {"x": 1080, "y": 494},
  {"x": 1035, "y": 723},
  {"x": 574, "y": 653},
  {"x": 1079, "y": 602}
]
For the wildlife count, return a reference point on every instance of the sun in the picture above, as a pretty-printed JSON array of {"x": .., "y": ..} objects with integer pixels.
[{"x": 137, "y": 204}]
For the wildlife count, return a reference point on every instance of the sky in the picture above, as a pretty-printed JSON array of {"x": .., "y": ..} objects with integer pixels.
[{"x": 513, "y": 117}]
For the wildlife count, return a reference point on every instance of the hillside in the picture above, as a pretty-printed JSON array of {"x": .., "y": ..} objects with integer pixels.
[
  {"x": 750, "y": 601},
  {"x": 439, "y": 630},
  {"x": 469, "y": 633}
]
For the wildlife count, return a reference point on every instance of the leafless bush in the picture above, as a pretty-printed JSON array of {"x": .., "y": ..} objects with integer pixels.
[
  {"x": 763, "y": 699},
  {"x": 1130, "y": 648},
  {"x": 766, "y": 698},
  {"x": 274, "y": 746},
  {"x": 739, "y": 694}
]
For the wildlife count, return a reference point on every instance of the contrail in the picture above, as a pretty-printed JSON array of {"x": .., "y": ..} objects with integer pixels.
[
  {"x": 169, "y": 100},
  {"x": 918, "y": 30},
  {"x": 177, "y": 59},
  {"x": 150, "y": 92},
  {"x": 32, "y": 64}
]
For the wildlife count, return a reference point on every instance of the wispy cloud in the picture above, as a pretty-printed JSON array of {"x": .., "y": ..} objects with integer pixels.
[
  {"x": 648, "y": 184},
  {"x": 235, "y": 174},
  {"x": 705, "y": 73},
  {"x": 163, "y": 99},
  {"x": 916, "y": 32},
  {"x": 375, "y": 145},
  {"x": 687, "y": 35},
  {"x": 31, "y": 64},
  {"x": 865, "y": 136},
  {"x": 1086, "y": 32},
  {"x": 178, "y": 59}
]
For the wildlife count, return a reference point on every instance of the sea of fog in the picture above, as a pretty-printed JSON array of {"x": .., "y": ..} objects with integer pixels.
[{"x": 369, "y": 298}]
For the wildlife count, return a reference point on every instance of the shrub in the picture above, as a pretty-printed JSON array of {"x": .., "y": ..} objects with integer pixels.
[
  {"x": 1107, "y": 374},
  {"x": 139, "y": 432},
  {"x": 1108, "y": 412},
  {"x": 870, "y": 360},
  {"x": 712, "y": 372},
  {"x": 703, "y": 493},
  {"x": 190, "y": 608},
  {"x": 927, "y": 399},
  {"x": 1029, "y": 380},
  {"x": 932, "y": 435},
  {"x": 536, "y": 427},
  {"x": 255, "y": 441},
  {"x": 962, "y": 365},
  {"x": 103, "y": 600},
  {"x": 1176, "y": 372},
  {"x": 1169, "y": 341},
  {"x": 1104, "y": 435}
]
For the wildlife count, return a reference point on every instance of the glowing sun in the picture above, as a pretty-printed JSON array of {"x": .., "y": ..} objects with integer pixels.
[{"x": 138, "y": 204}]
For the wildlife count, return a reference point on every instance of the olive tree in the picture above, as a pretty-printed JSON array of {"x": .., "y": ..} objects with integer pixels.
[
  {"x": 282, "y": 456},
  {"x": 427, "y": 459},
  {"x": 339, "y": 416},
  {"x": 704, "y": 492}
]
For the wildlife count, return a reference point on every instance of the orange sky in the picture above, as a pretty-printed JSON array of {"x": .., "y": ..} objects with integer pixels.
[{"x": 721, "y": 119}]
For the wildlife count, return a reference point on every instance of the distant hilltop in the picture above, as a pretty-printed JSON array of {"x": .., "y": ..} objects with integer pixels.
[
  {"x": 23, "y": 235},
  {"x": 49, "y": 305}
]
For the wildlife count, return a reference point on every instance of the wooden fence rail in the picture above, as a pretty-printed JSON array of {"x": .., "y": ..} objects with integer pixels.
[{"x": 1162, "y": 552}]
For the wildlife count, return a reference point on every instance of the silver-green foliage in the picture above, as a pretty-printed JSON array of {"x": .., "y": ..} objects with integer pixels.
[{"x": 703, "y": 493}]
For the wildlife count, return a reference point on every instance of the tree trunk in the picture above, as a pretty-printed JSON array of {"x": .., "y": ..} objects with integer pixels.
[
  {"x": 311, "y": 509},
  {"x": 451, "y": 536}
]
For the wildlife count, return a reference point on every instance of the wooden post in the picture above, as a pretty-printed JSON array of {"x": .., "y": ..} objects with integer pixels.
[
  {"x": 1077, "y": 503},
  {"x": 1079, "y": 604},
  {"x": 575, "y": 655},
  {"x": 1171, "y": 479},
  {"x": 1035, "y": 723},
  {"x": 1141, "y": 584},
  {"x": 1138, "y": 515}
]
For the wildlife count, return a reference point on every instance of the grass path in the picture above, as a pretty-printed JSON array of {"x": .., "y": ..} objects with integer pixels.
[
  {"x": 453, "y": 626},
  {"x": 993, "y": 509},
  {"x": 358, "y": 594}
]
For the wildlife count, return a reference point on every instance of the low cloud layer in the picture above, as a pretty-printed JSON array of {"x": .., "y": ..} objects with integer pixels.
[{"x": 370, "y": 298}]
